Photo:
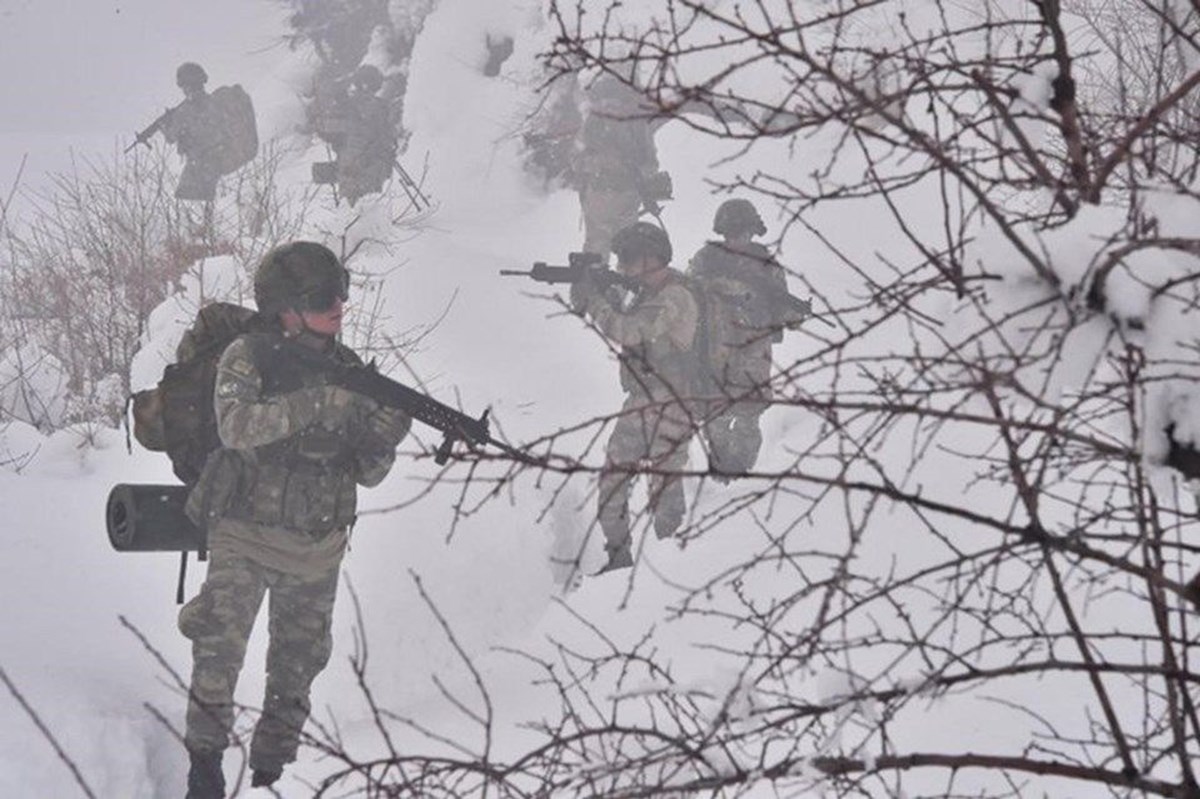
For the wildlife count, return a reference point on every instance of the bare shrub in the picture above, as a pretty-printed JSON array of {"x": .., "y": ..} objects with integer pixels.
[{"x": 97, "y": 251}]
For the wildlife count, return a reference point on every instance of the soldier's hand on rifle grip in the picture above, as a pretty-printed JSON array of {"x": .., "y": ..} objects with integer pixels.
[
  {"x": 329, "y": 406},
  {"x": 582, "y": 292},
  {"x": 389, "y": 426}
]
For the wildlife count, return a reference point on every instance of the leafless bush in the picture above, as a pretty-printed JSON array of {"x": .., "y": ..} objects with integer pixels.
[
  {"x": 974, "y": 530},
  {"x": 96, "y": 252}
]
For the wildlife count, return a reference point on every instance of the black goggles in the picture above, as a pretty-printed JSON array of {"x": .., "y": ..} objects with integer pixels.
[{"x": 321, "y": 298}]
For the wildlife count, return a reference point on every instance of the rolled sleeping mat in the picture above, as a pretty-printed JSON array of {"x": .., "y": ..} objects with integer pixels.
[{"x": 150, "y": 518}]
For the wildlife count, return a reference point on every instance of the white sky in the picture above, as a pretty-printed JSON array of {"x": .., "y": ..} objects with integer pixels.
[{"x": 72, "y": 80}]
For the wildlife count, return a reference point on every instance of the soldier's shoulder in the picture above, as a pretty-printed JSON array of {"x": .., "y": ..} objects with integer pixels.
[
  {"x": 680, "y": 289},
  {"x": 710, "y": 259},
  {"x": 251, "y": 347}
]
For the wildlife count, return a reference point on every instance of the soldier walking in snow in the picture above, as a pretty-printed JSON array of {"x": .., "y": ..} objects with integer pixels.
[
  {"x": 616, "y": 165},
  {"x": 745, "y": 317},
  {"x": 215, "y": 133},
  {"x": 277, "y": 500},
  {"x": 657, "y": 334}
]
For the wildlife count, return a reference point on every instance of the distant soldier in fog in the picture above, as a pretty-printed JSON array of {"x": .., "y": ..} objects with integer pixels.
[
  {"x": 615, "y": 168},
  {"x": 357, "y": 124},
  {"x": 745, "y": 316},
  {"x": 657, "y": 335},
  {"x": 549, "y": 141},
  {"x": 340, "y": 30},
  {"x": 215, "y": 133}
]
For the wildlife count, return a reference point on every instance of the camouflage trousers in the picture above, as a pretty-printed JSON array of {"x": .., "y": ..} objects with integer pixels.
[
  {"x": 735, "y": 437},
  {"x": 219, "y": 620},
  {"x": 605, "y": 211},
  {"x": 649, "y": 439},
  {"x": 198, "y": 181},
  {"x": 732, "y": 429}
]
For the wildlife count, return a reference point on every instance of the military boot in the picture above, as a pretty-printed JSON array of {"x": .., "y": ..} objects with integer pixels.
[
  {"x": 205, "y": 778},
  {"x": 265, "y": 777}
]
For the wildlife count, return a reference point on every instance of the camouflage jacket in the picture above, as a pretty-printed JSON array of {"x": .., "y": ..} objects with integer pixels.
[
  {"x": 189, "y": 126},
  {"x": 615, "y": 154},
  {"x": 658, "y": 335},
  {"x": 293, "y": 451},
  {"x": 744, "y": 284}
]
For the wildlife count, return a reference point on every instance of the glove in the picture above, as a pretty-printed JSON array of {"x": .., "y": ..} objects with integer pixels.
[
  {"x": 380, "y": 430},
  {"x": 330, "y": 406},
  {"x": 389, "y": 426}
]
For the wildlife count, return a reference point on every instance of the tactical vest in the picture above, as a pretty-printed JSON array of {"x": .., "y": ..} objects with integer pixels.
[
  {"x": 668, "y": 371},
  {"x": 305, "y": 482}
]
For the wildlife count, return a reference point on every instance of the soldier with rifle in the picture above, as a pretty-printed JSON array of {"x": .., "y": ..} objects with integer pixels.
[
  {"x": 277, "y": 500},
  {"x": 215, "y": 133},
  {"x": 747, "y": 310},
  {"x": 658, "y": 333}
]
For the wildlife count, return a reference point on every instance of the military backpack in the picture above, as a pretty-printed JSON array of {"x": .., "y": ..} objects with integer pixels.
[{"x": 177, "y": 416}]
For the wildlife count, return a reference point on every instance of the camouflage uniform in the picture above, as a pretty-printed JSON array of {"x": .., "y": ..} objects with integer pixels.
[
  {"x": 277, "y": 500},
  {"x": 366, "y": 159},
  {"x": 616, "y": 154},
  {"x": 189, "y": 127},
  {"x": 657, "y": 334},
  {"x": 740, "y": 279}
]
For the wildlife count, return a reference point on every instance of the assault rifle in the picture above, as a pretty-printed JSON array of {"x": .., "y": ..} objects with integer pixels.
[
  {"x": 454, "y": 425},
  {"x": 144, "y": 136},
  {"x": 794, "y": 310},
  {"x": 151, "y": 518},
  {"x": 582, "y": 265}
]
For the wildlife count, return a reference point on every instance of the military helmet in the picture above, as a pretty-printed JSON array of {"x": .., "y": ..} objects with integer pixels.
[
  {"x": 190, "y": 74},
  {"x": 368, "y": 78},
  {"x": 642, "y": 238},
  {"x": 738, "y": 216},
  {"x": 303, "y": 276}
]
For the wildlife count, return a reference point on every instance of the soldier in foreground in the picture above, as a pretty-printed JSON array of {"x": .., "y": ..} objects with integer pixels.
[
  {"x": 659, "y": 372},
  {"x": 746, "y": 316},
  {"x": 277, "y": 500}
]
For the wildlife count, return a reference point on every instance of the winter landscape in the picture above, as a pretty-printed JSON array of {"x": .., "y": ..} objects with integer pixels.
[{"x": 961, "y": 563}]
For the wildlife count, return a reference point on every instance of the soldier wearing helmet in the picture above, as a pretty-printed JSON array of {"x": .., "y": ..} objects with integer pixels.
[
  {"x": 277, "y": 500},
  {"x": 615, "y": 168},
  {"x": 190, "y": 77},
  {"x": 744, "y": 284},
  {"x": 190, "y": 127},
  {"x": 215, "y": 133},
  {"x": 657, "y": 334}
]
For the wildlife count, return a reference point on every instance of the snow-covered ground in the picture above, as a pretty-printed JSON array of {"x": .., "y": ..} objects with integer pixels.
[{"x": 502, "y": 344}]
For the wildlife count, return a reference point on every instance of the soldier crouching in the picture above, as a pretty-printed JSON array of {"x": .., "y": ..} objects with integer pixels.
[{"x": 277, "y": 500}]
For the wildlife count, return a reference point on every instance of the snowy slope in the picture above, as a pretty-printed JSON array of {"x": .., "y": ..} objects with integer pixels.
[{"x": 502, "y": 344}]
